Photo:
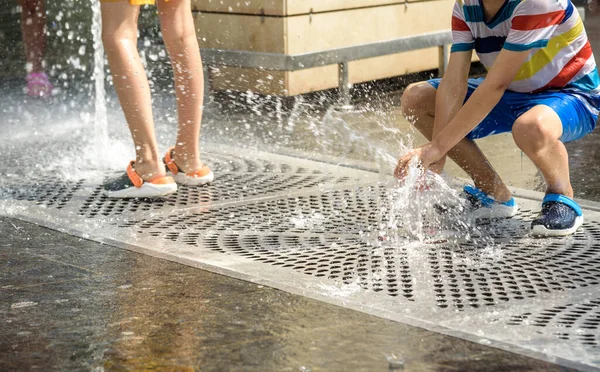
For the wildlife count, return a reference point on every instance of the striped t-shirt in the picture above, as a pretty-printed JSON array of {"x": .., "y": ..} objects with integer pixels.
[{"x": 560, "y": 55}]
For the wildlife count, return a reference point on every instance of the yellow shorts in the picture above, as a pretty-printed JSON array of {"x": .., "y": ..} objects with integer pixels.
[{"x": 132, "y": 2}]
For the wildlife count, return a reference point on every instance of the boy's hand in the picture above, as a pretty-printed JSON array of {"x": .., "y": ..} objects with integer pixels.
[{"x": 427, "y": 155}]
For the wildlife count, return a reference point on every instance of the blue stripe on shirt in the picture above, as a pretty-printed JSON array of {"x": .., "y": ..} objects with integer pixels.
[
  {"x": 525, "y": 47},
  {"x": 507, "y": 12},
  {"x": 473, "y": 13},
  {"x": 589, "y": 82},
  {"x": 568, "y": 12},
  {"x": 461, "y": 47},
  {"x": 489, "y": 44}
]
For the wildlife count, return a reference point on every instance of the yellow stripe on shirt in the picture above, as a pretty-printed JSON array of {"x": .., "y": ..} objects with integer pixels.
[{"x": 545, "y": 55}]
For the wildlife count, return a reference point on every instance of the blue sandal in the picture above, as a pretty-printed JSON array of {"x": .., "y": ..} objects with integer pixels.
[
  {"x": 560, "y": 216},
  {"x": 479, "y": 205},
  {"x": 484, "y": 206}
]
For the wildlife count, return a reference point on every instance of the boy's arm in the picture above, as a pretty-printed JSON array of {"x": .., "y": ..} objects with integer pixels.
[
  {"x": 479, "y": 105},
  {"x": 482, "y": 101},
  {"x": 452, "y": 89},
  {"x": 532, "y": 26}
]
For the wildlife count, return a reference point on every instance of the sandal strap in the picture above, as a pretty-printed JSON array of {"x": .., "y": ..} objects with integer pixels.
[
  {"x": 170, "y": 163},
  {"x": 563, "y": 200},
  {"x": 133, "y": 176},
  {"x": 483, "y": 198},
  {"x": 175, "y": 169},
  {"x": 486, "y": 200}
]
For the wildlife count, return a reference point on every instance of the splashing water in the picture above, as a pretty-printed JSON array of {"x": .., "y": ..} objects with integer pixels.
[
  {"x": 340, "y": 289},
  {"x": 363, "y": 135},
  {"x": 307, "y": 221},
  {"x": 409, "y": 209},
  {"x": 100, "y": 112}
]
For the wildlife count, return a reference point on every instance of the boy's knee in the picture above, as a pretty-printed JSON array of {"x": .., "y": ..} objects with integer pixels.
[
  {"x": 533, "y": 132},
  {"x": 418, "y": 97}
]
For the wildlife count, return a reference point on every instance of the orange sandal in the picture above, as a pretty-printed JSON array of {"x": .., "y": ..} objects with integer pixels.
[
  {"x": 131, "y": 185},
  {"x": 201, "y": 176}
]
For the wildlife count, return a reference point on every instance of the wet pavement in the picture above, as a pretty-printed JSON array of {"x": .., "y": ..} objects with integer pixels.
[{"x": 72, "y": 304}]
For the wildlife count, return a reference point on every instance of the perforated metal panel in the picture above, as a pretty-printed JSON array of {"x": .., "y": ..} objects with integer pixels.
[
  {"x": 517, "y": 267},
  {"x": 463, "y": 272},
  {"x": 324, "y": 231},
  {"x": 335, "y": 212},
  {"x": 45, "y": 191},
  {"x": 230, "y": 186},
  {"x": 238, "y": 178},
  {"x": 347, "y": 260},
  {"x": 242, "y": 161},
  {"x": 577, "y": 323}
]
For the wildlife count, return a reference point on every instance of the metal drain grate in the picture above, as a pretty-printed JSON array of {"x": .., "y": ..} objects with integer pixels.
[
  {"x": 463, "y": 273},
  {"x": 520, "y": 268},
  {"x": 299, "y": 226},
  {"x": 334, "y": 212},
  {"x": 574, "y": 322},
  {"x": 346, "y": 260},
  {"x": 222, "y": 163},
  {"x": 229, "y": 186},
  {"x": 40, "y": 190}
]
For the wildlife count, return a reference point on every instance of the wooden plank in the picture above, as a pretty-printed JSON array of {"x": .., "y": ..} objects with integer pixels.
[
  {"x": 242, "y": 80},
  {"x": 304, "y": 33},
  {"x": 312, "y": 80},
  {"x": 360, "y": 26},
  {"x": 285, "y": 7},
  {"x": 254, "y": 7},
  {"x": 296, "y": 7},
  {"x": 240, "y": 32},
  {"x": 321, "y": 78},
  {"x": 321, "y": 31},
  {"x": 394, "y": 65}
]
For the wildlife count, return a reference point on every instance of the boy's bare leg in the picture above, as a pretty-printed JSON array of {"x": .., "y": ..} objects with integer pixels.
[
  {"x": 33, "y": 25},
  {"x": 537, "y": 133},
  {"x": 119, "y": 35},
  {"x": 177, "y": 26},
  {"x": 418, "y": 105}
]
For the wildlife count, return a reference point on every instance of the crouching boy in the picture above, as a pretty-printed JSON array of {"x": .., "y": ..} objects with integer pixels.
[{"x": 542, "y": 85}]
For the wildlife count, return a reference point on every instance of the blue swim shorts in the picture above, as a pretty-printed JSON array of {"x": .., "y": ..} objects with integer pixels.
[{"x": 576, "y": 117}]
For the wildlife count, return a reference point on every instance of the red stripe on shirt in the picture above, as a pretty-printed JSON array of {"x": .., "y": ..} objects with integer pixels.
[
  {"x": 571, "y": 69},
  {"x": 459, "y": 25},
  {"x": 534, "y": 22}
]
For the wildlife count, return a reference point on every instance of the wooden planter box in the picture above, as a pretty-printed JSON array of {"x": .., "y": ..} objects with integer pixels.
[
  {"x": 283, "y": 8},
  {"x": 300, "y": 26}
]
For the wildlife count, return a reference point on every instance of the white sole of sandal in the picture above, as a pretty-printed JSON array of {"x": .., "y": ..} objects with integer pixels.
[
  {"x": 496, "y": 211},
  {"x": 148, "y": 190},
  {"x": 541, "y": 230},
  {"x": 182, "y": 179}
]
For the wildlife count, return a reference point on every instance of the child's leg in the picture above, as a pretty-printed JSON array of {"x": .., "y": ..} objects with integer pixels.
[
  {"x": 179, "y": 34},
  {"x": 33, "y": 25},
  {"x": 537, "y": 133},
  {"x": 418, "y": 104},
  {"x": 119, "y": 35}
]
